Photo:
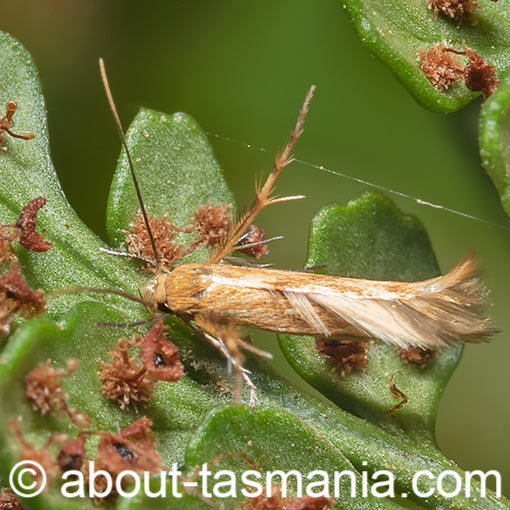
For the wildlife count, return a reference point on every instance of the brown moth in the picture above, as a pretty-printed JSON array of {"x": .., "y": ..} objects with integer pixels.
[
  {"x": 216, "y": 298},
  {"x": 427, "y": 314}
]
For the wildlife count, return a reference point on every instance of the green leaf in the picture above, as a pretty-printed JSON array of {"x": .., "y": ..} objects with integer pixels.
[
  {"x": 338, "y": 427},
  {"x": 180, "y": 409},
  {"x": 176, "y": 170},
  {"x": 230, "y": 429},
  {"x": 34, "y": 343},
  {"x": 187, "y": 501},
  {"x": 370, "y": 238},
  {"x": 395, "y": 31},
  {"x": 300, "y": 448},
  {"x": 27, "y": 172},
  {"x": 495, "y": 140},
  {"x": 176, "y": 408}
]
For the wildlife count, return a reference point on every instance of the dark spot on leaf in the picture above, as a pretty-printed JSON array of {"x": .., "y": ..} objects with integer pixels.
[
  {"x": 124, "y": 451},
  {"x": 159, "y": 361}
]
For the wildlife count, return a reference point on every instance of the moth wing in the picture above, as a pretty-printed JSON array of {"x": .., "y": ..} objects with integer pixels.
[
  {"x": 301, "y": 305},
  {"x": 390, "y": 321},
  {"x": 429, "y": 314}
]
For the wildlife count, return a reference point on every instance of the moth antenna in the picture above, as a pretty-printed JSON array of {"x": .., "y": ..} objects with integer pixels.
[
  {"x": 159, "y": 317},
  {"x": 263, "y": 193},
  {"x": 96, "y": 290},
  {"x": 127, "y": 255},
  {"x": 118, "y": 123}
]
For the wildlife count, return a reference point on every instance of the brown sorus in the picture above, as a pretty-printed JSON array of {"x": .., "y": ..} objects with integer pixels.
[
  {"x": 277, "y": 502},
  {"x": 213, "y": 223},
  {"x": 139, "y": 243},
  {"x": 7, "y": 123},
  {"x": 26, "y": 222},
  {"x": 9, "y": 500},
  {"x": 44, "y": 391},
  {"x": 44, "y": 386},
  {"x": 72, "y": 454},
  {"x": 17, "y": 298},
  {"x": 12, "y": 284},
  {"x": 459, "y": 10},
  {"x": 41, "y": 456},
  {"x": 416, "y": 356},
  {"x": 209, "y": 225},
  {"x": 442, "y": 68},
  {"x": 23, "y": 231},
  {"x": 159, "y": 356},
  {"x": 130, "y": 382},
  {"x": 132, "y": 448},
  {"x": 124, "y": 379},
  {"x": 479, "y": 74},
  {"x": 347, "y": 355}
]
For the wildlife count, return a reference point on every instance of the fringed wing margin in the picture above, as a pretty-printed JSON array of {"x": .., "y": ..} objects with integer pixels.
[{"x": 429, "y": 314}]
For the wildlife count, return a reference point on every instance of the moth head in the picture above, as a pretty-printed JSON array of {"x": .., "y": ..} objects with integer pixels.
[{"x": 155, "y": 292}]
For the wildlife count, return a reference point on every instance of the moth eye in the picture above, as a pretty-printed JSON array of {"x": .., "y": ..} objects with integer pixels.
[
  {"x": 124, "y": 451},
  {"x": 162, "y": 307}
]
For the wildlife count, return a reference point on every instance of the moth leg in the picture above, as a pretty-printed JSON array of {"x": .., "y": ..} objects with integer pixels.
[
  {"x": 311, "y": 269},
  {"x": 133, "y": 324},
  {"x": 239, "y": 261},
  {"x": 242, "y": 247},
  {"x": 264, "y": 193},
  {"x": 230, "y": 339},
  {"x": 227, "y": 340}
]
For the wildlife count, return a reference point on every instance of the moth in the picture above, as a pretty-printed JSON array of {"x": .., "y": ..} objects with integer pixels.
[{"x": 217, "y": 298}]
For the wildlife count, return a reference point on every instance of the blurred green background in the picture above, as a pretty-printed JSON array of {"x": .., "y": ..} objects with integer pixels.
[{"x": 241, "y": 68}]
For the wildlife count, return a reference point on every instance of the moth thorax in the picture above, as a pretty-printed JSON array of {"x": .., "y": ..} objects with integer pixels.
[{"x": 185, "y": 286}]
